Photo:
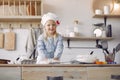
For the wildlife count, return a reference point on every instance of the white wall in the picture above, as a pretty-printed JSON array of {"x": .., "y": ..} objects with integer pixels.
[{"x": 68, "y": 10}]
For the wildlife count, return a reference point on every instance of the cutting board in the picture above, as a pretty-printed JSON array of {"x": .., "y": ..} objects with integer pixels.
[
  {"x": 10, "y": 39},
  {"x": 1, "y": 40},
  {"x": 30, "y": 10}
]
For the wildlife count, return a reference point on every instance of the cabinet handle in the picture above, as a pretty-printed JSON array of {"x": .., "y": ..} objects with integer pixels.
[{"x": 115, "y": 76}]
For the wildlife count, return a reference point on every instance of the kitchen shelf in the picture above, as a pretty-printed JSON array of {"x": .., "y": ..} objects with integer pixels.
[
  {"x": 88, "y": 38},
  {"x": 20, "y": 10},
  {"x": 20, "y": 18},
  {"x": 85, "y": 38},
  {"x": 110, "y": 16},
  {"x": 106, "y": 16}
]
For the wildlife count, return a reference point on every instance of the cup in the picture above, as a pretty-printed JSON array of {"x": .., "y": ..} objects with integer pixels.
[
  {"x": 72, "y": 34},
  {"x": 98, "y": 11}
]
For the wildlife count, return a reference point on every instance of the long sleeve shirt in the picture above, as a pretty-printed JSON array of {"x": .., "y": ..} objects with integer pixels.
[{"x": 50, "y": 48}]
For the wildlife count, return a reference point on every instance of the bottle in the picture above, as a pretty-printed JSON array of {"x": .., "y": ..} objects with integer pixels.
[
  {"x": 76, "y": 27},
  {"x": 109, "y": 30}
]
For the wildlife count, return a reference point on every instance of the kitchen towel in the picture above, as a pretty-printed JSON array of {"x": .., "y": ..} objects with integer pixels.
[{"x": 31, "y": 41}]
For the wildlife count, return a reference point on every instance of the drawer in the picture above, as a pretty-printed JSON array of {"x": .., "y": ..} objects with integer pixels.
[
  {"x": 41, "y": 73},
  {"x": 102, "y": 73},
  {"x": 10, "y": 73}
]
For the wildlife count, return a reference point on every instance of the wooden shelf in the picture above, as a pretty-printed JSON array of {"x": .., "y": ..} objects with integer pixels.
[
  {"x": 106, "y": 16},
  {"x": 110, "y": 16},
  {"x": 68, "y": 39},
  {"x": 88, "y": 38},
  {"x": 20, "y": 10},
  {"x": 20, "y": 18}
]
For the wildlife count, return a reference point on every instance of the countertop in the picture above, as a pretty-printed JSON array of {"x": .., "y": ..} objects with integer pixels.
[{"x": 59, "y": 65}]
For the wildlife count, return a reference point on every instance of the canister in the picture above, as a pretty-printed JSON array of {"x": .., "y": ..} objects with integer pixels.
[{"x": 107, "y": 9}]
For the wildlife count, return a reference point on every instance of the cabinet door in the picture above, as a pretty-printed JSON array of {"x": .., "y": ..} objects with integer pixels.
[
  {"x": 41, "y": 73},
  {"x": 10, "y": 73},
  {"x": 102, "y": 73}
]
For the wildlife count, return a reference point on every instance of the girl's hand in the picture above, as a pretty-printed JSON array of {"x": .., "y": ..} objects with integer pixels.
[{"x": 56, "y": 59}]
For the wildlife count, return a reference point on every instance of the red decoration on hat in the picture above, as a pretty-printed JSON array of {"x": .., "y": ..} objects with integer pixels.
[{"x": 57, "y": 22}]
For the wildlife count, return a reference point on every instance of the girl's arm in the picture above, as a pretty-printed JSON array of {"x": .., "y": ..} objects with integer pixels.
[{"x": 59, "y": 48}]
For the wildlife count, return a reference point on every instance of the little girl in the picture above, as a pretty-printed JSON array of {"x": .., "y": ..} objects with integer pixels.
[{"x": 50, "y": 43}]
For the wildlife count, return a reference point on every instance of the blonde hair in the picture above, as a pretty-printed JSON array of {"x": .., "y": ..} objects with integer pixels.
[{"x": 46, "y": 35}]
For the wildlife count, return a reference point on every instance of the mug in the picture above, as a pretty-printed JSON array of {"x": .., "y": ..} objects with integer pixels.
[{"x": 98, "y": 11}]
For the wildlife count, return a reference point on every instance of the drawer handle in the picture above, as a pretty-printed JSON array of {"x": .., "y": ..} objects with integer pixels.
[{"x": 55, "y": 78}]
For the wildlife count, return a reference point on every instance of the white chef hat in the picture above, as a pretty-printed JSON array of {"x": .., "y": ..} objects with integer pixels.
[{"x": 49, "y": 16}]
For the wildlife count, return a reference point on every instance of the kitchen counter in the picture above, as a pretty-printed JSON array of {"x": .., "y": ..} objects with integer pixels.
[
  {"x": 60, "y": 65},
  {"x": 68, "y": 71}
]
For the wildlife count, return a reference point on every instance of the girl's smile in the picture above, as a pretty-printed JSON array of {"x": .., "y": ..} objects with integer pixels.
[{"x": 50, "y": 27}]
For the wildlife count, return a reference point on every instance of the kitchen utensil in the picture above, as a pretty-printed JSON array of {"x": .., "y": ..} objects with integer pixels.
[
  {"x": 1, "y": 40},
  {"x": 104, "y": 44},
  {"x": 98, "y": 29},
  {"x": 10, "y": 38},
  {"x": 114, "y": 51},
  {"x": 30, "y": 9},
  {"x": 98, "y": 11},
  {"x": 117, "y": 47},
  {"x": 98, "y": 32},
  {"x": 91, "y": 52},
  {"x": 1, "y": 37},
  {"x": 97, "y": 44},
  {"x": 99, "y": 24}
]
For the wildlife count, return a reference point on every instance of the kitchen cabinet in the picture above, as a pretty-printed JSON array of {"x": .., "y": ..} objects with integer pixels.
[
  {"x": 102, "y": 73},
  {"x": 41, "y": 73},
  {"x": 10, "y": 73},
  {"x": 70, "y": 71},
  {"x": 67, "y": 71}
]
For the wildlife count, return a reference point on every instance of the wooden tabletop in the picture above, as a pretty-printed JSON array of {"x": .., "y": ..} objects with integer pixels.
[{"x": 59, "y": 65}]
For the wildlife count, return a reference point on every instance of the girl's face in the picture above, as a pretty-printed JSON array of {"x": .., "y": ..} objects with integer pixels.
[{"x": 50, "y": 27}]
